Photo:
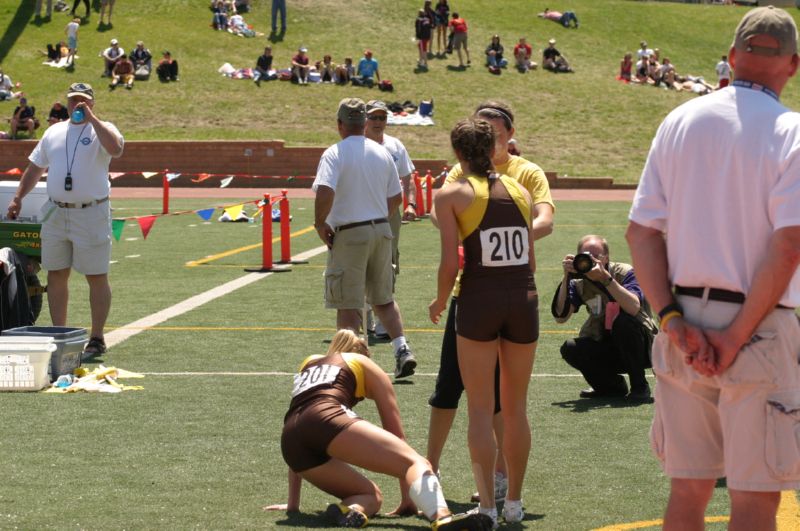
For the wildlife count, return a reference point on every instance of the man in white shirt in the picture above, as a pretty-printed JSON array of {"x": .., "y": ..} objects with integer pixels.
[
  {"x": 715, "y": 218},
  {"x": 377, "y": 116},
  {"x": 357, "y": 186},
  {"x": 724, "y": 72},
  {"x": 644, "y": 51},
  {"x": 76, "y": 221},
  {"x": 111, "y": 55}
]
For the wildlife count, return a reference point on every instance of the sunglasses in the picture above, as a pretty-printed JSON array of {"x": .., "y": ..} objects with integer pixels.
[{"x": 378, "y": 117}]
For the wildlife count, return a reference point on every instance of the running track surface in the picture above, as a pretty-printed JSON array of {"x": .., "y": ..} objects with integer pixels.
[{"x": 307, "y": 193}]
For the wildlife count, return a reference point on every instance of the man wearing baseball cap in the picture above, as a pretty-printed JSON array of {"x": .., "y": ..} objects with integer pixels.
[
  {"x": 357, "y": 186},
  {"x": 111, "y": 55},
  {"x": 76, "y": 221},
  {"x": 715, "y": 238},
  {"x": 377, "y": 117}
]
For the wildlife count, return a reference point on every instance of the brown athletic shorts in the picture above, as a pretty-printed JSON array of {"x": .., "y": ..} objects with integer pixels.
[
  {"x": 308, "y": 432},
  {"x": 487, "y": 314}
]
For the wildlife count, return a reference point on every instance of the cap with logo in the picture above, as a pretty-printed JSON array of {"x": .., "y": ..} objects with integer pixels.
[
  {"x": 81, "y": 89},
  {"x": 770, "y": 21},
  {"x": 376, "y": 106},
  {"x": 352, "y": 111}
]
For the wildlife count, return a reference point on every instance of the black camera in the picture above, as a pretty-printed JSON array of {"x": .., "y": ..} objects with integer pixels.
[{"x": 583, "y": 263}]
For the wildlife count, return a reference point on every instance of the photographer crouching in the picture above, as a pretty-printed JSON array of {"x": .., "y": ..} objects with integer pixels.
[{"x": 617, "y": 337}]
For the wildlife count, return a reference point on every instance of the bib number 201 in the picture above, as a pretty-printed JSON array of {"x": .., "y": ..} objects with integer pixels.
[
  {"x": 313, "y": 377},
  {"x": 504, "y": 246}
]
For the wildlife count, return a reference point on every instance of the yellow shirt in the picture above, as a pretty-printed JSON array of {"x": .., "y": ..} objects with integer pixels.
[{"x": 528, "y": 174}]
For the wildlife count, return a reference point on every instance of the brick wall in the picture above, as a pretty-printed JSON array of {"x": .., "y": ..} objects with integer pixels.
[{"x": 265, "y": 158}]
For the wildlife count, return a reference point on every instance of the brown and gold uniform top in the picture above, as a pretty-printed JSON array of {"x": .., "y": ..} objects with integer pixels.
[{"x": 336, "y": 377}]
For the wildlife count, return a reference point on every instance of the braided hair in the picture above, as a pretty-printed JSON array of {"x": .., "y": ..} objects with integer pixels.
[{"x": 473, "y": 139}]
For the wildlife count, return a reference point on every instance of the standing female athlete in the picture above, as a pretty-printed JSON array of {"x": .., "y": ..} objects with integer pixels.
[
  {"x": 497, "y": 313},
  {"x": 322, "y": 437}
]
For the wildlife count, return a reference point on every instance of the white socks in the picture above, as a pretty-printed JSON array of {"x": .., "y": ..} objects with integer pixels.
[{"x": 398, "y": 342}]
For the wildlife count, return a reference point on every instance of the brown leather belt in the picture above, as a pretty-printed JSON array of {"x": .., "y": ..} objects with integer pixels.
[
  {"x": 721, "y": 295},
  {"x": 361, "y": 224},
  {"x": 80, "y": 205}
]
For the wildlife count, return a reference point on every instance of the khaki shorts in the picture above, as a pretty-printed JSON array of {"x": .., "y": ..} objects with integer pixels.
[
  {"x": 78, "y": 238},
  {"x": 744, "y": 424},
  {"x": 359, "y": 265}
]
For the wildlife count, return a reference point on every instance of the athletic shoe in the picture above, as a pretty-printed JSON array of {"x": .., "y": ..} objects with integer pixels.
[
  {"x": 500, "y": 488},
  {"x": 370, "y": 321},
  {"x": 513, "y": 511},
  {"x": 380, "y": 330},
  {"x": 406, "y": 362},
  {"x": 344, "y": 516},
  {"x": 490, "y": 513},
  {"x": 463, "y": 522}
]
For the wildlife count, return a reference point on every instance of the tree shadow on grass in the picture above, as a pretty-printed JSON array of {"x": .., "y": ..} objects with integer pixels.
[
  {"x": 16, "y": 27},
  {"x": 582, "y": 405},
  {"x": 456, "y": 68},
  {"x": 319, "y": 520}
]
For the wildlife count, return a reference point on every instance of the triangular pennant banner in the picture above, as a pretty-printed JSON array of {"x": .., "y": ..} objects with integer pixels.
[
  {"x": 148, "y": 174},
  {"x": 116, "y": 227},
  {"x": 206, "y": 213},
  {"x": 201, "y": 177},
  {"x": 172, "y": 176},
  {"x": 225, "y": 182},
  {"x": 14, "y": 171},
  {"x": 234, "y": 211},
  {"x": 146, "y": 223},
  {"x": 115, "y": 174}
]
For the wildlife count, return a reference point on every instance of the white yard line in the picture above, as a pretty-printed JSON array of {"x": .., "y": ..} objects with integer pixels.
[{"x": 129, "y": 330}]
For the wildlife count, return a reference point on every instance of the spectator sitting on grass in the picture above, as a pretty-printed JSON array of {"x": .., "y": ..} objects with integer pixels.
[
  {"x": 300, "y": 66},
  {"x": 522, "y": 54},
  {"x": 367, "y": 69},
  {"x": 553, "y": 60},
  {"x": 220, "y": 19},
  {"x": 142, "y": 61},
  {"x": 167, "y": 68},
  {"x": 653, "y": 71},
  {"x": 494, "y": 54},
  {"x": 562, "y": 18},
  {"x": 7, "y": 87},
  {"x": 110, "y": 57},
  {"x": 641, "y": 69},
  {"x": 344, "y": 72},
  {"x": 58, "y": 113},
  {"x": 326, "y": 69},
  {"x": 263, "y": 66},
  {"x": 644, "y": 51},
  {"x": 24, "y": 117},
  {"x": 625, "y": 68},
  {"x": 123, "y": 72}
]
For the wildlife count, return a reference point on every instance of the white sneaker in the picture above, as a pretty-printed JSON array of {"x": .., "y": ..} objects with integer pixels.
[
  {"x": 406, "y": 362},
  {"x": 370, "y": 322},
  {"x": 513, "y": 511}
]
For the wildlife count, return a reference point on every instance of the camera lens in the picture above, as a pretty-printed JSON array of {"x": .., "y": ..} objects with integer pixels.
[{"x": 583, "y": 263}]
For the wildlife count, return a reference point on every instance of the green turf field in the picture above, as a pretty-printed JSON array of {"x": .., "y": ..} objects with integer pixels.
[
  {"x": 202, "y": 451},
  {"x": 585, "y": 124}
]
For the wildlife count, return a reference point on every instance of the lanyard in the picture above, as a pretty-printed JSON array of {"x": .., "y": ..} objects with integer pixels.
[
  {"x": 68, "y": 178},
  {"x": 755, "y": 86}
]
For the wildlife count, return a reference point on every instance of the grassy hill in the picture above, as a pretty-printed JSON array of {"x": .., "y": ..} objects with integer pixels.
[{"x": 585, "y": 124}]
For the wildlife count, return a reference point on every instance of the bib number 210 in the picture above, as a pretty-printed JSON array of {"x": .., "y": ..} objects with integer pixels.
[{"x": 504, "y": 246}]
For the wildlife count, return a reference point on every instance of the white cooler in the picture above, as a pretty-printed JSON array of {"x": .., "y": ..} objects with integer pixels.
[
  {"x": 25, "y": 363},
  {"x": 31, "y": 204}
]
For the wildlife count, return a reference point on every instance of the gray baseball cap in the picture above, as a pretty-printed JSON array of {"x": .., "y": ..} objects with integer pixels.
[
  {"x": 352, "y": 111},
  {"x": 771, "y": 21},
  {"x": 376, "y": 106},
  {"x": 81, "y": 89}
]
